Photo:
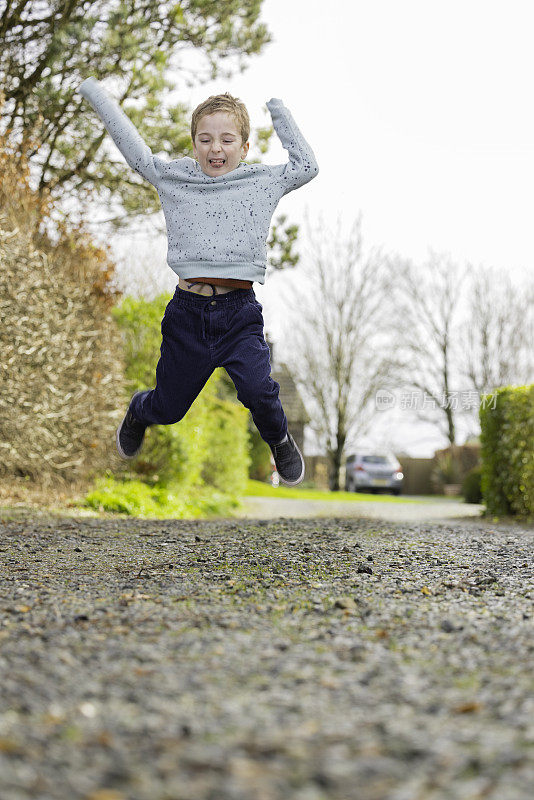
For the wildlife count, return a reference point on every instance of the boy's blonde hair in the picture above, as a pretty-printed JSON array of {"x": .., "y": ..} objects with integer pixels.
[{"x": 223, "y": 102}]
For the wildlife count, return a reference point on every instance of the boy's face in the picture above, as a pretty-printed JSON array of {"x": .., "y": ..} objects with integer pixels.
[{"x": 218, "y": 146}]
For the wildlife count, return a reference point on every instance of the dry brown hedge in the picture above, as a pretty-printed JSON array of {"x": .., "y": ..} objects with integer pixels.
[{"x": 61, "y": 367}]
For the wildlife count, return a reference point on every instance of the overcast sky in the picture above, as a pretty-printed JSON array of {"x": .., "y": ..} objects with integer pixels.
[
  {"x": 421, "y": 116},
  {"x": 420, "y": 113}
]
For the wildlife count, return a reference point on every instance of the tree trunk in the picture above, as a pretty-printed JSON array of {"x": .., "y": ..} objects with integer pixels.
[{"x": 335, "y": 467}]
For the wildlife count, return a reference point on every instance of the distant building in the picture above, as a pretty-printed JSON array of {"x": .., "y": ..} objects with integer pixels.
[{"x": 297, "y": 416}]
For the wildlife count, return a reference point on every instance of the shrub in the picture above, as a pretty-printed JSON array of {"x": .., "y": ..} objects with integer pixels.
[
  {"x": 507, "y": 433},
  {"x": 226, "y": 458},
  {"x": 136, "y": 498},
  {"x": 259, "y": 452},
  {"x": 471, "y": 489},
  {"x": 260, "y": 455},
  {"x": 61, "y": 370}
]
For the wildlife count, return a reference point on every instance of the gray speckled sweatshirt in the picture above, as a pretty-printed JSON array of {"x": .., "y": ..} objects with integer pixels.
[{"x": 216, "y": 226}]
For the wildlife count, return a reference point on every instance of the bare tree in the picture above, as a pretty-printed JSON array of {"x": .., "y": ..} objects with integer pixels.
[
  {"x": 337, "y": 336},
  {"x": 428, "y": 318},
  {"x": 499, "y": 332}
]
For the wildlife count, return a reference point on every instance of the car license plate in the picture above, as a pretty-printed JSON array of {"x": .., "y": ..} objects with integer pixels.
[{"x": 380, "y": 482}]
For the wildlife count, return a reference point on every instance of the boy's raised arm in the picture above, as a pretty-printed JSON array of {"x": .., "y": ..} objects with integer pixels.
[
  {"x": 302, "y": 166},
  {"x": 121, "y": 129}
]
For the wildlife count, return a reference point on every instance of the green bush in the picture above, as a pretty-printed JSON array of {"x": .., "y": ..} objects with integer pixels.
[
  {"x": 507, "y": 436},
  {"x": 226, "y": 458},
  {"x": 138, "y": 499},
  {"x": 260, "y": 455},
  {"x": 471, "y": 489}
]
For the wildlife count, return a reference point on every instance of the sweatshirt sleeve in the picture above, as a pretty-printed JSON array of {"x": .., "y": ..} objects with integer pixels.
[
  {"x": 137, "y": 154},
  {"x": 302, "y": 166}
]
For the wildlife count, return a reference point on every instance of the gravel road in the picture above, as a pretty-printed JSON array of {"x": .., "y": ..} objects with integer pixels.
[{"x": 294, "y": 659}]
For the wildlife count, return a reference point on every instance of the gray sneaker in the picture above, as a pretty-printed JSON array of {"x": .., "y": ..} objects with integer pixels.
[
  {"x": 288, "y": 461},
  {"x": 130, "y": 433}
]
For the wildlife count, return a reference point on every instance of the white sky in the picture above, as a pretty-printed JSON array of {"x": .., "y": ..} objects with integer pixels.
[{"x": 420, "y": 114}]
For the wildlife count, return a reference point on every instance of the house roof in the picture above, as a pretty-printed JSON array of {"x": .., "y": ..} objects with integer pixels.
[{"x": 289, "y": 395}]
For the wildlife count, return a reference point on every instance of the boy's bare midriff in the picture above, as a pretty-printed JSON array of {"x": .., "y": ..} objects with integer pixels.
[{"x": 210, "y": 286}]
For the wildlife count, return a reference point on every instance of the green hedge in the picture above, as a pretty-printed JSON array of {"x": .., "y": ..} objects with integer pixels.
[
  {"x": 209, "y": 446},
  {"x": 507, "y": 450}
]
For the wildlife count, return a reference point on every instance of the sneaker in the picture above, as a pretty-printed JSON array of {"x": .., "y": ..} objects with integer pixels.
[
  {"x": 130, "y": 433},
  {"x": 288, "y": 461}
]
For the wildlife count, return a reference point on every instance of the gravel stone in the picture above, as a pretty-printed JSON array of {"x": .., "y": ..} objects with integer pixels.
[{"x": 265, "y": 660}]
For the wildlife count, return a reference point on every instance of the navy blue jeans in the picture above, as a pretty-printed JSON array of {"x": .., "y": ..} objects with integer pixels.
[{"x": 201, "y": 333}]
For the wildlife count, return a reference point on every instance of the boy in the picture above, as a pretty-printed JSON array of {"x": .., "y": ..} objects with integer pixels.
[{"x": 217, "y": 210}]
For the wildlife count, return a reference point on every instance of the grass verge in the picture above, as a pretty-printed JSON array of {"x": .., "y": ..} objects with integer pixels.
[{"x": 260, "y": 489}]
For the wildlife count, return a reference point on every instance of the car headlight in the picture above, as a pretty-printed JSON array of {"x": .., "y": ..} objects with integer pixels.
[{"x": 398, "y": 476}]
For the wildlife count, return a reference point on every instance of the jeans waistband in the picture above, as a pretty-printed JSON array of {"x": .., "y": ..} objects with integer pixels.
[{"x": 236, "y": 297}]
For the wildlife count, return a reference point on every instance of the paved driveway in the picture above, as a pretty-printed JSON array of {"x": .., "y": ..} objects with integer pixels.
[{"x": 421, "y": 510}]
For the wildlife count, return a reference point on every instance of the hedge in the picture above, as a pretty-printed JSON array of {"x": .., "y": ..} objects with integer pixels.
[
  {"x": 507, "y": 449},
  {"x": 61, "y": 370}
]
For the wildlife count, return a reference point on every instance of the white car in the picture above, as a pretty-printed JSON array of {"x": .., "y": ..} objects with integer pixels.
[{"x": 373, "y": 472}]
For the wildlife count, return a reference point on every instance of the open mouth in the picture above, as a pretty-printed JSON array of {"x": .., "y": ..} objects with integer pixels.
[{"x": 217, "y": 162}]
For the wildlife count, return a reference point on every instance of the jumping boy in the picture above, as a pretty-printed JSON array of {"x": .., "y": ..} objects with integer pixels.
[{"x": 218, "y": 211}]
